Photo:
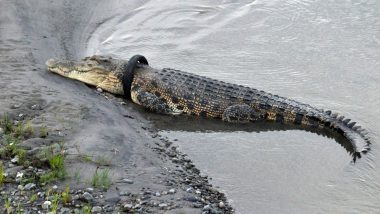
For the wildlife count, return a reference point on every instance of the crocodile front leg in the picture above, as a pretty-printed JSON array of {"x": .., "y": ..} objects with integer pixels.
[
  {"x": 240, "y": 113},
  {"x": 150, "y": 101}
]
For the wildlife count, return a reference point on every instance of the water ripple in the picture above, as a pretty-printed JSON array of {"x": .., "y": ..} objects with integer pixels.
[{"x": 325, "y": 53}]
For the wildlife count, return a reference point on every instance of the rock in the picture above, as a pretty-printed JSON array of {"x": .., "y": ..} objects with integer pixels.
[
  {"x": 128, "y": 206},
  {"x": 128, "y": 181},
  {"x": 75, "y": 197},
  {"x": 20, "y": 187},
  {"x": 90, "y": 189},
  {"x": 171, "y": 191},
  {"x": 96, "y": 209},
  {"x": 46, "y": 205},
  {"x": 100, "y": 90},
  {"x": 124, "y": 193},
  {"x": 88, "y": 197},
  {"x": 64, "y": 210},
  {"x": 221, "y": 204},
  {"x": 114, "y": 200},
  {"x": 36, "y": 107},
  {"x": 206, "y": 208},
  {"x": 162, "y": 205},
  {"x": 19, "y": 176},
  {"x": 190, "y": 198},
  {"x": 189, "y": 190},
  {"x": 15, "y": 159},
  {"x": 197, "y": 192},
  {"x": 197, "y": 205},
  {"x": 209, "y": 209},
  {"x": 157, "y": 194},
  {"x": 16, "y": 106},
  {"x": 107, "y": 208},
  {"x": 55, "y": 187},
  {"x": 12, "y": 172},
  {"x": 29, "y": 186}
]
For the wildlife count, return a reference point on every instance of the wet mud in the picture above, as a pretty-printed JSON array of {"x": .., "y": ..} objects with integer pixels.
[{"x": 148, "y": 174}]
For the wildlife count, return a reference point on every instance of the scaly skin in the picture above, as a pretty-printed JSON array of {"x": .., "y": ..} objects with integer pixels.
[{"x": 171, "y": 91}]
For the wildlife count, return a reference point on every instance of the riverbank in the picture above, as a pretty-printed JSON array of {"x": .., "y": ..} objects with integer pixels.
[{"x": 69, "y": 148}]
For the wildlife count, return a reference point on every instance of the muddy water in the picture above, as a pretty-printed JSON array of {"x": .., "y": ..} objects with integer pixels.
[{"x": 325, "y": 53}]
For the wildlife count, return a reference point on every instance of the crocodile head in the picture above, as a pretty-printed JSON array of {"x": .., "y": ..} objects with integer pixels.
[{"x": 98, "y": 71}]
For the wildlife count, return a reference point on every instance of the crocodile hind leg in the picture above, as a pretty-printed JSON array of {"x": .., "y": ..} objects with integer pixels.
[
  {"x": 150, "y": 101},
  {"x": 239, "y": 113}
]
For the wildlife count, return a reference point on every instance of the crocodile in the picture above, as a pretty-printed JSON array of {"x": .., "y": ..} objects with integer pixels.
[{"x": 170, "y": 91}]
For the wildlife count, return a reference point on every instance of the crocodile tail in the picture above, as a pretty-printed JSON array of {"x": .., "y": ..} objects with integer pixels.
[{"x": 357, "y": 136}]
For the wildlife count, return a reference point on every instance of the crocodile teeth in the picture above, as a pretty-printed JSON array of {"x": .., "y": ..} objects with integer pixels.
[
  {"x": 356, "y": 128},
  {"x": 346, "y": 121},
  {"x": 351, "y": 125}
]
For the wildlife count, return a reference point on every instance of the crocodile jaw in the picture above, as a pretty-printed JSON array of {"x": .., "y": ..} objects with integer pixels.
[{"x": 87, "y": 71}]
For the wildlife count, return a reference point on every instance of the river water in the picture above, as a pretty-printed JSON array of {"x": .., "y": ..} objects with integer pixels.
[{"x": 325, "y": 53}]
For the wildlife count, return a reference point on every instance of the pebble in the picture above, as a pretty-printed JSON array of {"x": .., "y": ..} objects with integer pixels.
[
  {"x": 90, "y": 189},
  {"x": 15, "y": 159},
  {"x": 19, "y": 176},
  {"x": 55, "y": 187},
  {"x": 128, "y": 206},
  {"x": 88, "y": 197},
  {"x": 46, "y": 205},
  {"x": 64, "y": 210},
  {"x": 20, "y": 187},
  {"x": 197, "y": 205},
  {"x": 15, "y": 106},
  {"x": 190, "y": 198},
  {"x": 123, "y": 193},
  {"x": 128, "y": 181},
  {"x": 36, "y": 107},
  {"x": 189, "y": 190},
  {"x": 162, "y": 205},
  {"x": 100, "y": 90},
  {"x": 198, "y": 192},
  {"x": 206, "y": 208},
  {"x": 157, "y": 194},
  {"x": 113, "y": 200},
  {"x": 171, "y": 191},
  {"x": 75, "y": 197},
  {"x": 221, "y": 204},
  {"x": 29, "y": 186},
  {"x": 96, "y": 209}
]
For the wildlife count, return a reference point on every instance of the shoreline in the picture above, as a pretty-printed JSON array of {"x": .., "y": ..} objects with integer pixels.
[{"x": 114, "y": 160}]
